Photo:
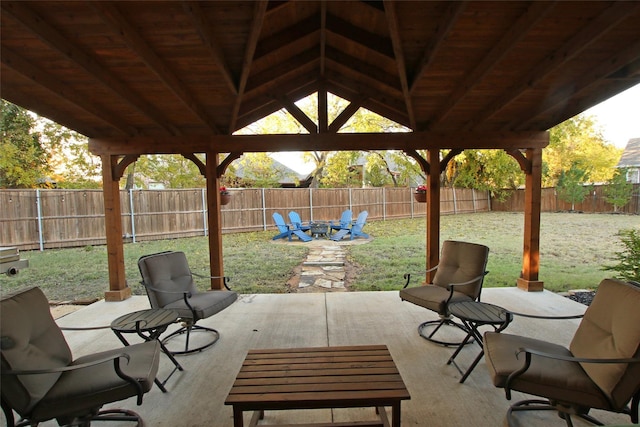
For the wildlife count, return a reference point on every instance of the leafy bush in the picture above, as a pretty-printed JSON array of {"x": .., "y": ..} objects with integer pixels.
[{"x": 628, "y": 266}]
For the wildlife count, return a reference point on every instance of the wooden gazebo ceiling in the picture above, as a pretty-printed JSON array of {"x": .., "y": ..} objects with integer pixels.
[{"x": 174, "y": 69}]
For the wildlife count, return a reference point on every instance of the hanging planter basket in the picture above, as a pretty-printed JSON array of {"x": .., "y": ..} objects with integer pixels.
[
  {"x": 225, "y": 199},
  {"x": 421, "y": 197}
]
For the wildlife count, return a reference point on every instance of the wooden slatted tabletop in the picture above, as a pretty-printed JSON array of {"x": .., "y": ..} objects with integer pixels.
[{"x": 318, "y": 377}]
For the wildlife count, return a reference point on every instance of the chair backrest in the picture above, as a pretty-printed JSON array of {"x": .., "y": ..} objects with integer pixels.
[
  {"x": 169, "y": 272},
  {"x": 346, "y": 218},
  {"x": 279, "y": 220},
  {"x": 295, "y": 219},
  {"x": 360, "y": 223},
  {"x": 610, "y": 328},
  {"x": 30, "y": 339},
  {"x": 461, "y": 262}
]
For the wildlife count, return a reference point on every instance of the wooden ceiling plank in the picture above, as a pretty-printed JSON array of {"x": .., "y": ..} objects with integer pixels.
[
  {"x": 323, "y": 37},
  {"x": 580, "y": 41},
  {"x": 311, "y": 142},
  {"x": 510, "y": 38},
  {"x": 21, "y": 12},
  {"x": 112, "y": 16},
  {"x": 281, "y": 71},
  {"x": 445, "y": 26},
  {"x": 286, "y": 37},
  {"x": 362, "y": 37},
  {"x": 360, "y": 67},
  {"x": 558, "y": 100},
  {"x": 203, "y": 27},
  {"x": 259, "y": 12},
  {"x": 298, "y": 114},
  {"x": 61, "y": 89},
  {"x": 396, "y": 42}
]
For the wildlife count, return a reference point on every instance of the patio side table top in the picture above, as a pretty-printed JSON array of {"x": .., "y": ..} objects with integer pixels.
[{"x": 318, "y": 377}]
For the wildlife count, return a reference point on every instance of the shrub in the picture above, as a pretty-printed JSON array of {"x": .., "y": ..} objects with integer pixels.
[{"x": 628, "y": 266}]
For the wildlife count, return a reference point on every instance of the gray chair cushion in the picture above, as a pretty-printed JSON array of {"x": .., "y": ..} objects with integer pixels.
[
  {"x": 204, "y": 303},
  {"x": 431, "y": 297}
]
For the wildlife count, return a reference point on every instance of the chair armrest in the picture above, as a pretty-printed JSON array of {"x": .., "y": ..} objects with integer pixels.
[
  {"x": 527, "y": 362},
  {"x": 114, "y": 357},
  {"x": 407, "y": 276},
  {"x": 537, "y": 316},
  {"x": 225, "y": 279},
  {"x": 88, "y": 328},
  {"x": 451, "y": 287}
]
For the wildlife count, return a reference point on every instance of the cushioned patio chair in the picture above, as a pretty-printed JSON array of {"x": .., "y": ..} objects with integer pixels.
[
  {"x": 169, "y": 283},
  {"x": 286, "y": 231},
  {"x": 296, "y": 222},
  {"x": 41, "y": 381},
  {"x": 344, "y": 223},
  {"x": 355, "y": 230},
  {"x": 459, "y": 277},
  {"x": 600, "y": 369}
]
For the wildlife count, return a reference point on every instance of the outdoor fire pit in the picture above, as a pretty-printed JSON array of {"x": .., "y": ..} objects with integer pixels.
[{"x": 319, "y": 228}]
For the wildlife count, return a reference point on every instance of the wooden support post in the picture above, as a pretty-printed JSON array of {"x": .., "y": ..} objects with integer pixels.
[
  {"x": 433, "y": 211},
  {"x": 214, "y": 220},
  {"x": 532, "y": 200},
  {"x": 118, "y": 289}
]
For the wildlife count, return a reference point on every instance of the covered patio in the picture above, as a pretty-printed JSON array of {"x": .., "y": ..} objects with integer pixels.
[{"x": 196, "y": 396}]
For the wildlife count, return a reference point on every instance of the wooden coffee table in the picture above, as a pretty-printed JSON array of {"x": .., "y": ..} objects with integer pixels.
[{"x": 318, "y": 377}]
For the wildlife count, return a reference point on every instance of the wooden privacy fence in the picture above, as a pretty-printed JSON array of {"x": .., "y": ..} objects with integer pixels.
[
  {"x": 42, "y": 219},
  {"x": 593, "y": 203}
]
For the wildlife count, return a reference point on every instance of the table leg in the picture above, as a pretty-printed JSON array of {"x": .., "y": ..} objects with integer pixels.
[
  {"x": 237, "y": 417},
  {"x": 395, "y": 414}
]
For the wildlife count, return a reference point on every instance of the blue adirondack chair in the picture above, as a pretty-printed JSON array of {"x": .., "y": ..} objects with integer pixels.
[
  {"x": 355, "y": 230},
  {"x": 286, "y": 230},
  {"x": 297, "y": 223},
  {"x": 344, "y": 222}
]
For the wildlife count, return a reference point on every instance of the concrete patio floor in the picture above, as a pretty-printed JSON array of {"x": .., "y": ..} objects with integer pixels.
[{"x": 196, "y": 396}]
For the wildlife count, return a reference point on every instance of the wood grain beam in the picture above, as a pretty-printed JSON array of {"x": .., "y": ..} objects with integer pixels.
[
  {"x": 345, "y": 115},
  {"x": 112, "y": 16},
  {"x": 580, "y": 41},
  {"x": 558, "y": 100},
  {"x": 46, "y": 80},
  {"x": 366, "y": 70},
  {"x": 394, "y": 33},
  {"x": 447, "y": 22},
  {"x": 284, "y": 39},
  {"x": 195, "y": 12},
  {"x": 259, "y": 11},
  {"x": 510, "y": 38},
  {"x": 282, "y": 71},
  {"x": 21, "y": 12},
  {"x": 323, "y": 36},
  {"x": 311, "y": 142},
  {"x": 298, "y": 114}
]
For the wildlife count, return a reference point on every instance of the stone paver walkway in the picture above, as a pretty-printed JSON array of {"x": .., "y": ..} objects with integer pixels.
[{"x": 323, "y": 271}]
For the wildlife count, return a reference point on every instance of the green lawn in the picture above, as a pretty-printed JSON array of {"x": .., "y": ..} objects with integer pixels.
[{"x": 573, "y": 247}]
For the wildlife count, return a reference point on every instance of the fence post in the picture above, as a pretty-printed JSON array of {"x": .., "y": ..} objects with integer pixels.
[
  {"x": 132, "y": 215},
  {"x": 455, "y": 201},
  {"x": 264, "y": 211},
  {"x": 473, "y": 198},
  {"x": 310, "y": 204},
  {"x": 411, "y": 201},
  {"x": 350, "y": 200},
  {"x": 39, "y": 209},
  {"x": 384, "y": 203},
  {"x": 204, "y": 212}
]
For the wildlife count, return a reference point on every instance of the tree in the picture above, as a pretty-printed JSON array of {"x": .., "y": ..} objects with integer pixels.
[
  {"x": 172, "y": 170},
  {"x": 341, "y": 170},
  {"x": 259, "y": 170},
  {"x": 618, "y": 191},
  {"x": 23, "y": 158},
  {"x": 628, "y": 265},
  {"x": 578, "y": 141},
  {"x": 571, "y": 186}
]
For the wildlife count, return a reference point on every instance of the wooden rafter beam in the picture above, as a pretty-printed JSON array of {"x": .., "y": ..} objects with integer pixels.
[
  {"x": 281, "y": 72},
  {"x": 222, "y": 167},
  {"x": 394, "y": 32},
  {"x": 21, "y": 12},
  {"x": 345, "y": 115},
  {"x": 520, "y": 27},
  {"x": 311, "y": 142},
  {"x": 298, "y": 114},
  {"x": 323, "y": 113},
  {"x": 450, "y": 155},
  {"x": 259, "y": 12},
  {"x": 45, "y": 79},
  {"x": 369, "y": 72},
  {"x": 195, "y": 12},
  {"x": 424, "y": 164},
  {"x": 525, "y": 164},
  {"x": 580, "y": 41},
  {"x": 118, "y": 167},
  {"x": 112, "y": 16},
  {"x": 323, "y": 36},
  {"x": 557, "y": 100},
  {"x": 284, "y": 39},
  {"x": 447, "y": 22}
]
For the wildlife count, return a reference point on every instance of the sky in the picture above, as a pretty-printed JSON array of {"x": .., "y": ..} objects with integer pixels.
[{"x": 618, "y": 118}]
